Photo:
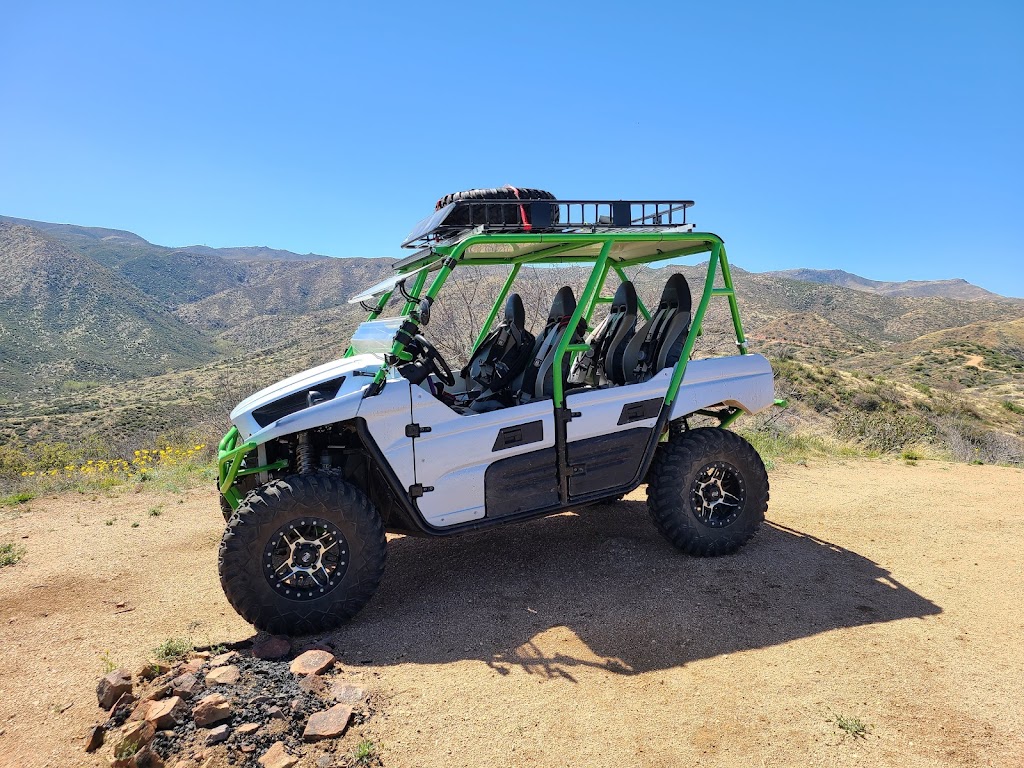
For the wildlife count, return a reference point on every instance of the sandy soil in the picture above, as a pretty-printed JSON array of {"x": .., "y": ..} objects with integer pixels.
[{"x": 882, "y": 591}]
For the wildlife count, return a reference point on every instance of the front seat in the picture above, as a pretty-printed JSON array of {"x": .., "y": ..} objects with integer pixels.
[
  {"x": 602, "y": 363},
  {"x": 659, "y": 343},
  {"x": 500, "y": 358},
  {"x": 537, "y": 381}
]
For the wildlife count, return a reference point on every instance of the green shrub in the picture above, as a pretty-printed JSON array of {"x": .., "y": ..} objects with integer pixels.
[{"x": 10, "y": 554}]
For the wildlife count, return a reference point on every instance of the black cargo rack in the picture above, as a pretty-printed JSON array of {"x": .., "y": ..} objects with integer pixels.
[{"x": 540, "y": 216}]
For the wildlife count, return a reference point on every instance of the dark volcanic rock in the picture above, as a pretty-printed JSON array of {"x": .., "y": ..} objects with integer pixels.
[{"x": 121, "y": 709}]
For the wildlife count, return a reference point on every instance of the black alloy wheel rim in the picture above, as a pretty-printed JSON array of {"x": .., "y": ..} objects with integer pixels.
[
  {"x": 305, "y": 559},
  {"x": 717, "y": 494}
]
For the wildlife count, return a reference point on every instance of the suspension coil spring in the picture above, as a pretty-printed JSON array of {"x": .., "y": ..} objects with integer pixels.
[{"x": 304, "y": 454}]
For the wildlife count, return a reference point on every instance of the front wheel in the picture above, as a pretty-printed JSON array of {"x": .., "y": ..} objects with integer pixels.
[
  {"x": 302, "y": 554},
  {"x": 707, "y": 491}
]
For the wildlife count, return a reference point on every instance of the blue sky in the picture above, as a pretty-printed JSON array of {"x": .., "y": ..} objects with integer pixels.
[{"x": 880, "y": 138}]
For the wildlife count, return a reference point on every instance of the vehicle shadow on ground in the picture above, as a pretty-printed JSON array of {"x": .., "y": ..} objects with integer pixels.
[{"x": 608, "y": 576}]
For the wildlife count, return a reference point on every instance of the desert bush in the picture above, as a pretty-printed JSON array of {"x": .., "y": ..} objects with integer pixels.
[
  {"x": 966, "y": 440},
  {"x": 882, "y": 431},
  {"x": 1012, "y": 407},
  {"x": 863, "y": 401}
]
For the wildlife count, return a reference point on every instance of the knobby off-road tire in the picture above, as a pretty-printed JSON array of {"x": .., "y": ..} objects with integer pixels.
[
  {"x": 260, "y": 542},
  {"x": 510, "y": 214},
  {"x": 707, "y": 491}
]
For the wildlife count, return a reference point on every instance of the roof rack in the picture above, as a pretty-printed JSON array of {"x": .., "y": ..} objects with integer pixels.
[{"x": 533, "y": 215}]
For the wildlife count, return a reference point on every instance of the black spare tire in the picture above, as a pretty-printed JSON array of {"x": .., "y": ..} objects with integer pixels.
[{"x": 506, "y": 215}]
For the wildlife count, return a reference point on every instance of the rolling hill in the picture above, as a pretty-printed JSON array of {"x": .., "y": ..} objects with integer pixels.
[{"x": 64, "y": 317}]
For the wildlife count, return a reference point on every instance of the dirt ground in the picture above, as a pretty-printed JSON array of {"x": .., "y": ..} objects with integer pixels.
[{"x": 886, "y": 592}]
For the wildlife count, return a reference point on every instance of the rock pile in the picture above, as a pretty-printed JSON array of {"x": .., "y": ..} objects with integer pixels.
[{"x": 254, "y": 708}]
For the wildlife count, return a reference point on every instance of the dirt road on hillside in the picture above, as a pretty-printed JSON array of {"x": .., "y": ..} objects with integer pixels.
[{"x": 880, "y": 591}]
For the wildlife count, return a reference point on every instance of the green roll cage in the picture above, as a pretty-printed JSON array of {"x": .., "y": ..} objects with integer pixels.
[
  {"x": 547, "y": 248},
  {"x": 557, "y": 249}
]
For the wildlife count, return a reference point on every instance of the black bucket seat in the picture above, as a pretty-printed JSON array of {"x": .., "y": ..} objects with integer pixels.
[
  {"x": 501, "y": 357},
  {"x": 537, "y": 380},
  {"x": 659, "y": 343},
  {"x": 602, "y": 363}
]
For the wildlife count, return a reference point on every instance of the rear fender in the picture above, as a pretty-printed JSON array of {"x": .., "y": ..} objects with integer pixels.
[{"x": 740, "y": 381}]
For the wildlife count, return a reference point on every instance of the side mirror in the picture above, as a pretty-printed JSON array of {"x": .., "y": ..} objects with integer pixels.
[{"x": 424, "y": 311}]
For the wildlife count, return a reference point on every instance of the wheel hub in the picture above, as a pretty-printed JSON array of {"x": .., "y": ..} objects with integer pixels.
[
  {"x": 305, "y": 559},
  {"x": 717, "y": 494}
]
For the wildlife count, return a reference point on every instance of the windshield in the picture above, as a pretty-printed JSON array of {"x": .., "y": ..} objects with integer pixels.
[
  {"x": 376, "y": 336},
  {"x": 385, "y": 285}
]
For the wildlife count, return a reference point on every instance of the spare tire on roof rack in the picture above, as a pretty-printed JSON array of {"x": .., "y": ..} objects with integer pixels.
[{"x": 512, "y": 215}]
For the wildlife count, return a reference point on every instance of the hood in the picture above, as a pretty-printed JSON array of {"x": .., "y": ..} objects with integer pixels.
[{"x": 332, "y": 380}]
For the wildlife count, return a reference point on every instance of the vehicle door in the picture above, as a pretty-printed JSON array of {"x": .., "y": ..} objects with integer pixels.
[
  {"x": 475, "y": 465},
  {"x": 609, "y": 433}
]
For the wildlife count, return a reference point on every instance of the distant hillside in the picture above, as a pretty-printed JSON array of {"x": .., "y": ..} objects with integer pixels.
[
  {"x": 91, "y": 237},
  {"x": 64, "y": 317},
  {"x": 949, "y": 289}
]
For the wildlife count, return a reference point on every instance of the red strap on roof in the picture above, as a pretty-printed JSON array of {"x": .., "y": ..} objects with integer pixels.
[{"x": 522, "y": 209}]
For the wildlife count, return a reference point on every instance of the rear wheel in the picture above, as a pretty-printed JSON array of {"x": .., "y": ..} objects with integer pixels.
[
  {"x": 707, "y": 491},
  {"x": 302, "y": 554}
]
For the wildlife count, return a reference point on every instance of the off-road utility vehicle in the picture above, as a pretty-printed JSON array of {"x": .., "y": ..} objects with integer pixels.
[{"x": 317, "y": 467}]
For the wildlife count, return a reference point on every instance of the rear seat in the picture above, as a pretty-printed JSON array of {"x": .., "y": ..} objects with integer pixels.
[{"x": 659, "y": 343}]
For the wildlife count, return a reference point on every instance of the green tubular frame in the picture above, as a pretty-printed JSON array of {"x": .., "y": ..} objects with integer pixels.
[
  {"x": 229, "y": 465},
  {"x": 562, "y": 245}
]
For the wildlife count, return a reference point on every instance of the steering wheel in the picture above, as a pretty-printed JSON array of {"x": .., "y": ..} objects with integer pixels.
[{"x": 433, "y": 360}]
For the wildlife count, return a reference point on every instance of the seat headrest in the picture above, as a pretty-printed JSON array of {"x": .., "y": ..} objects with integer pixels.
[
  {"x": 625, "y": 299},
  {"x": 564, "y": 304},
  {"x": 515, "y": 313},
  {"x": 676, "y": 294}
]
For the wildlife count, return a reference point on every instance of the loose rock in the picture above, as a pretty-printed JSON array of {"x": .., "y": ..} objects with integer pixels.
[
  {"x": 167, "y": 713},
  {"x": 272, "y": 648},
  {"x": 327, "y": 724},
  {"x": 111, "y": 686},
  {"x": 312, "y": 684},
  {"x": 95, "y": 738},
  {"x": 185, "y": 685},
  {"x": 346, "y": 693},
  {"x": 141, "y": 712},
  {"x": 211, "y": 709},
  {"x": 146, "y": 758},
  {"x": 217, "y": 735},
  {"x": 228, "y": 675},
  {"x": 277, "y": 757},
  {"x": 222, "y": 659},
  {"x": 312, "y": 663},
  {"x": 192, "y": 666},
  {"x": 152, "y": 669},
  {"x": 247, "y": 729},
  {"x": 139, "y": 734},
  {"x": 276, "y": 713}
]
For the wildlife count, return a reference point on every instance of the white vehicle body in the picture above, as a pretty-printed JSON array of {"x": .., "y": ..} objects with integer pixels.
[{"x": 465, "y": 458}]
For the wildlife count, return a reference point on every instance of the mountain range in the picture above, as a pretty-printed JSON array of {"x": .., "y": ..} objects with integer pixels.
[{"x": 102, "y": 330}]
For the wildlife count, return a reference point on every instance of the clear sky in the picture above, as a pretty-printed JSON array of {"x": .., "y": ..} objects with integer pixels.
[{"x": 881, "y": 138}]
